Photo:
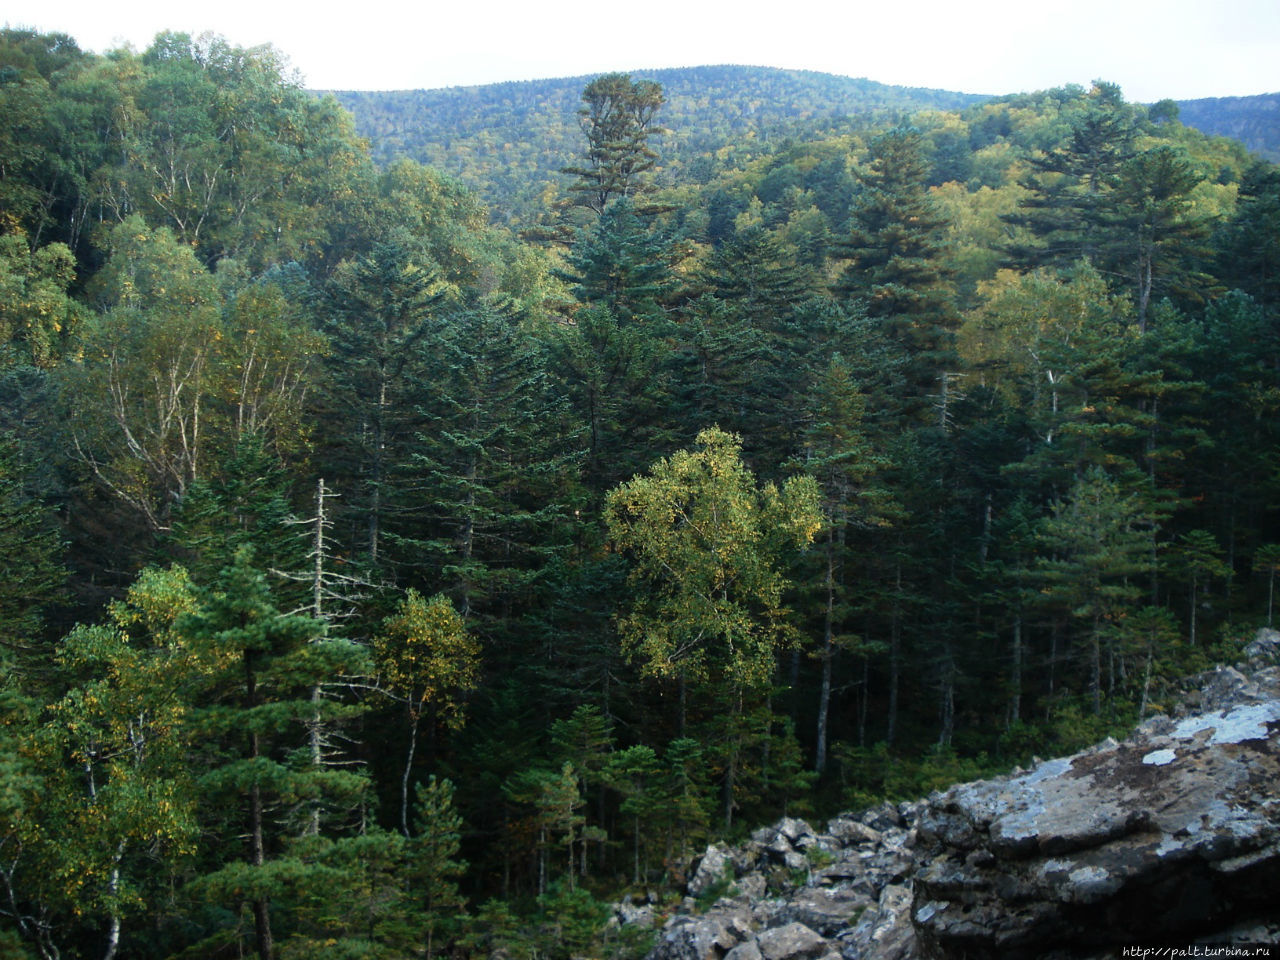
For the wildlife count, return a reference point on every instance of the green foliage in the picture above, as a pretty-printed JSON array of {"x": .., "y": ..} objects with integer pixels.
[
  {"x": 618, "y": 120},
  {"x": 37, "y": 317},
  {"x": 720, "y": 887},
  {"x": 621, "y": 265},
  {"x": 433, "y": 865},
  {"x": 213, "y": 304},
  {"x": 708, "y": 544},
  {"x": 509, "y": 141},
  {"x": 256, "y": 707},
  {"x": 33, "y": 575},
  {"x": 424, "y": 655}
]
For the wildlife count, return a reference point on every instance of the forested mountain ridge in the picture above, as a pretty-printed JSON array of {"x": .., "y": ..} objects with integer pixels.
[
  {"x": 507, "y": 141},
  {"x": 1254, "y": 121},
  {"x": 383, "y": 583}
]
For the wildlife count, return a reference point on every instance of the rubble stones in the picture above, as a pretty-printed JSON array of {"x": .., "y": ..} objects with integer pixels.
[{"x": 1172, "y": 833}]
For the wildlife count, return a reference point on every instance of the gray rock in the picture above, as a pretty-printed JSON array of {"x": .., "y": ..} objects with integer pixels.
[
  {"x": 1173, "y": 832},
  {"x": 766, "y": 913},
  {"x": 751, "y": 886},
  {"x": 794, "y": 830},
  {"x": 885, "y": 932},
  {"x": 630, "y": 914},
  {"x": 1156, "y": 837},
  {"x": 703, "y": 938},
  {"x": 716, "y": 863},
  {"x": 883, "y": 817},
  {"x": 826, "y": 911},
  {"x": 744, "y": 951},
  {"x": 795, "y": 861},
  {"x": 791, "y": 941},
  {"x": 1265, "y": 647},
  {"x": 850, "y": 832}
]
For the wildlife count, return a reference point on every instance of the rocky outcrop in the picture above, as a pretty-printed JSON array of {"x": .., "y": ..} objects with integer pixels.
[{"x": 1171, "y": 836}]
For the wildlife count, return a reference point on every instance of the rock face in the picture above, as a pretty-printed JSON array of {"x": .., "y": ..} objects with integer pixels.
[{"x": 1171, "y": 836}]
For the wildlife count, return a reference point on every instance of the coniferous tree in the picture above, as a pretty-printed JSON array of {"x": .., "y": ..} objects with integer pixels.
[
  {"x": 838, "y": 454},
  {"x": 895, "y": 270},
  {"x": 1160, "y": 242},
  {"x": 380, "y": 309},
  {"x": 1069, "y": 204},
  {"x": 244, "y": 504},
  {"x": 434, "y": 867},
  {"x": 1097, "y": 544},
  {"x": 623, "y": 264},
  {"x": 256, "y": 702},
  {"x": 490, "y": 473},
  {"x": 33, "y": 577},
  {"x": 1249, "y": 243},
  {"x": 618, "y": 119}
]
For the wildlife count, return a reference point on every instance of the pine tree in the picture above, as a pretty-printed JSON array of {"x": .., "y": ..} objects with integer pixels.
[
  {"x": 1069, "y": 205},
  {"x": 895, "y": 267},
  {"x": 259, "y": 780},
  {"x": 1160, "y": 242},
  {"x": 433, "y": 865},
  {"x": 618, "y": 119}
]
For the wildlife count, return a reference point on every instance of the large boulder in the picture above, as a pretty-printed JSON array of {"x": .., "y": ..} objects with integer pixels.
[
  {"x": 886, "y": 932},
  {"x": 706, "y": 937},
  {"x": 716, "y": 865},
  {"x": 1167, "y": 836},
  {"x": 790, "y": 942}
]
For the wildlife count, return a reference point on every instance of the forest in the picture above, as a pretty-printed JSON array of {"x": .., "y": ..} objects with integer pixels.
[{"x": 387, "y": 576}]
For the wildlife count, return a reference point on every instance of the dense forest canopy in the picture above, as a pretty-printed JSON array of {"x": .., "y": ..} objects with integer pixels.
[
  {"x": 383, "y": 582},
  {"x": 507, "y": 141}
]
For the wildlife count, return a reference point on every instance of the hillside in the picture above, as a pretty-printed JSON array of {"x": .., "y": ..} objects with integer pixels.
[
  {"x": 508, "y": 140},
  {"x": 1254, "y": 121},
  {"x": 384, "y": 584}
]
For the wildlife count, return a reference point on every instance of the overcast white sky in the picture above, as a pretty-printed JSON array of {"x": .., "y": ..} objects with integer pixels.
[{"x": 1182, "y": 49}]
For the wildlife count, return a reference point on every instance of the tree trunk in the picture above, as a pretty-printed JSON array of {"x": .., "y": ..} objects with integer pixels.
[
  {"x": 895, "y": 656},
  {"x": 1015, "y": 698},
  {"x": 1193, "y": 610},
  {"x": 1095, "y": 665},
  {"x": 947, "y": 703},
  {"x": 828, "y": 652},
  {"x": 257, "y": 841},
  {"x": 414, "y": 717}
]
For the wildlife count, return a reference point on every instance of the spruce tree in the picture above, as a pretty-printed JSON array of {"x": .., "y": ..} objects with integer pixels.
[
  {"x": 1069, "y": 205},
  {"x": 433, "y": 866},
  {"x": 258, "y": 780},
  {"x": 895, "y": 270},
  {"x": 379, "y": 309}
]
